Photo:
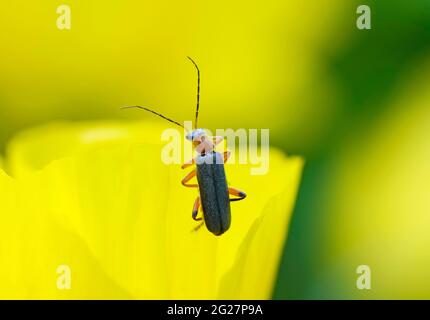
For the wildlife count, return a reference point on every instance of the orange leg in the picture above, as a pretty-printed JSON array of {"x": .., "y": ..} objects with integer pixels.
[
  {"x": 227, "y": 155},
  {"x": 187, "y": 178},
  {"x": 196, "y": 209},
  {"x": 188, "y": 163},
  {"x": 195, "y": 212},
  {"x": 237, "y": 193},
  {"x": 198, "y": 227}
]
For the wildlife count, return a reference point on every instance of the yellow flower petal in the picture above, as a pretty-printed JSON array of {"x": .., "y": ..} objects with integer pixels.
[
  {"x": 33, "y": 245},
  {"x": 104, "y": 184}
]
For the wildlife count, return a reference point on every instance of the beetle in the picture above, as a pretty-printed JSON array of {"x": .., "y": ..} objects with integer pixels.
[{"x": 214, "y": 192}]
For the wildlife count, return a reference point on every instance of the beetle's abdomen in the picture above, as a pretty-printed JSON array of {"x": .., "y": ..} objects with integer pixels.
[{"x": 214, "y": 195}]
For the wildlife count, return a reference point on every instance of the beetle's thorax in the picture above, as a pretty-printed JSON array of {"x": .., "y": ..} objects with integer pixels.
[{"x": 204, "y": 146}]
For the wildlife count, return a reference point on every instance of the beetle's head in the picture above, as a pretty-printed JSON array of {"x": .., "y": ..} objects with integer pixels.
[{"x": 196, "y": 135}]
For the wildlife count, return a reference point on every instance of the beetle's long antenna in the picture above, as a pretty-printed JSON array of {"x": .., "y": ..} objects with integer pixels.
[
  {"x": 160, "y": 115},
  {"x": 198, "y": 92}
]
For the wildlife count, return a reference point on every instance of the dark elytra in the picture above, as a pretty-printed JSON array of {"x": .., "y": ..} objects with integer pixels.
[{"x": 214, "y": 196}]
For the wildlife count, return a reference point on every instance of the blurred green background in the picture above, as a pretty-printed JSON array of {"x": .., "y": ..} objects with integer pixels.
[{"x": 354, "y": 103}]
